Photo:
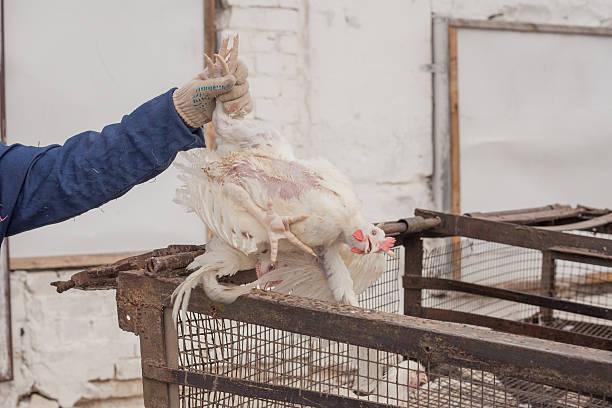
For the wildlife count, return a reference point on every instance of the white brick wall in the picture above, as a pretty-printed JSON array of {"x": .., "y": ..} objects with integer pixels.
[{"x": 68, "y": 348}]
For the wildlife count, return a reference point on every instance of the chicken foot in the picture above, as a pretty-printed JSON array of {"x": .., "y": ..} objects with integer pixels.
[{"x": 277, "y": 226}]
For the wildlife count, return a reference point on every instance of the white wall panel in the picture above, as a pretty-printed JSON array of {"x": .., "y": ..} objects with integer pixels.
[
  {"x": 535, "y": 119},
  {"x": 76, "y": 65}
]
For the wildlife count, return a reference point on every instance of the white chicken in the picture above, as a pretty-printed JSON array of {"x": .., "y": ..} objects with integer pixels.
[
  {"x": 252, "y": 190},
  {"x": 297, "y": 222}
]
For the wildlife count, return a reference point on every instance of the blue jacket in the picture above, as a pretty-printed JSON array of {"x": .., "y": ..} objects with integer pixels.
[{"x": 45, "y": 185}]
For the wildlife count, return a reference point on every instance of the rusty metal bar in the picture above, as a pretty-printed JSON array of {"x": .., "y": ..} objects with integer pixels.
[
  {"x": 557, "y": 364},
  {"x": 511, "y": 234},
  {"x": 413, "y": 267},
  {"x": 253, "y": 389},
  {"x": 419, "y": 282},
  {"x": 547, "y": 285},
  {"x": 522, "y": 328},
  {"x": 409, "y": 225}
]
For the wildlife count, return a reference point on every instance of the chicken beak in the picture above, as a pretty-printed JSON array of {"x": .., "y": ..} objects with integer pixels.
[{"x": 371, "y": 245}]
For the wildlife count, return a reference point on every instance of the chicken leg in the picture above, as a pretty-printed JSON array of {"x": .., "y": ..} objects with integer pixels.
[{"x": 276, "y": 226}]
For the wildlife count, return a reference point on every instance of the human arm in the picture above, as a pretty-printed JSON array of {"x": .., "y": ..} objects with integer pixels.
[{"x": 54, "y": 183}]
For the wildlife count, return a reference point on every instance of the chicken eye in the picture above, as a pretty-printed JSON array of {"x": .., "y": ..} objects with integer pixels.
[{"x": 373, "y": 232}]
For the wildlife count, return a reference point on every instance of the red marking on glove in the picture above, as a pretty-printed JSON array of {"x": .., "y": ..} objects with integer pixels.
[
  {"x": 387, "y": 244},
  {"x": 358, "y": 235},
  {"x": 356, "y": 250}
]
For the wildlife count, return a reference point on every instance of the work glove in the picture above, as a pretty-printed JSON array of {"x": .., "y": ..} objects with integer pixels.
[
  {"x": 226, "y": 79},
  {"x": 195, "y": 101},
  {"x": 237, "y": 103}
]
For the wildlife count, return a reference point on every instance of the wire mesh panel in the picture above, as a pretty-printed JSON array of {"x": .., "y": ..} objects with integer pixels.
[
  {"x": 518, "y": 269},
  {"x": 485, "y": 263},
  {"x": 257, "y": 353},
  {"x": 246, "y": 351},
  {"x": 269, "y": 356}
]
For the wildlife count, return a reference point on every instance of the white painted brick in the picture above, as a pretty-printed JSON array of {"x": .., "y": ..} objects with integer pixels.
[
  {"x": 291, "y": 4},
  {"x": 283, "y": 65},
  {"x": 290, "y": 44},
  {"x": 263, "y": 41},
  {"x": 265, "y": 87},
  {"x": 254, "y": 3},
  {"x": 293, "y": 89},
  {"x": 263, "y": 18},
  {"x": 250, "y": 59},
  {"x": 127, "y": 369}
]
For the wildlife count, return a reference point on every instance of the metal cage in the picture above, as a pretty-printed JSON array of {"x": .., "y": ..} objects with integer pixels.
[{"x": 273, "y": 350}]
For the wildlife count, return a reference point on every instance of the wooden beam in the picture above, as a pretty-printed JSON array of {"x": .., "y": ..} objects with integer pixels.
[
  {"x": 547, "y": 287},
  {"x": 209, "y": 49},
  {"x": 413, "y": 267},
  {"x": 512, "y": 234},
  {"x": 419, "y": 282},
  {"x": 453, "y": 88},
  {"x": 67, "y": 261},
  {"x": 582, "y": 225},
  {"x": 520, "y": 328},
  {"x": 254, "y": 389},
  {"x": 529, "y": 27}
]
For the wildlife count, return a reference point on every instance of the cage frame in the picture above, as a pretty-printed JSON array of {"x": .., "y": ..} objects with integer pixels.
[
  {"x": 539, "y": 228},
  {"x": 571, "y": 362},
  {"x": 144, "y": 308}
]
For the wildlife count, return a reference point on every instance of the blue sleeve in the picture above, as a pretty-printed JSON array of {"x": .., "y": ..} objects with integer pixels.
[{"x": 41, "y": 186}]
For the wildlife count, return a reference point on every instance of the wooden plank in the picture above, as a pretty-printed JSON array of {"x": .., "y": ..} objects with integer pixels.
[
  {"x": 547, "y": 287},
  {"x": 533, "y": 217},
  {"x": 419, "y": 282},
  {"x": 413, "y": 266},
  {"x": 6, "y": 337},
  {"x": 157, "y": 394},
  {"x": 172, "y": 354},
  {"x": 514, "y": 327},
  {"x": 455, "y": 148},
  {"x": 511, "y": 234},
  {"x": 529, "y": 27},
  {"x": 209, "y": 49},
  {"x": 582, "y": 225},
  {"x": 566, "y": 366},
  {"x": 453, "y": 89},
  {"x": 519, "y": 211},
  {"x": 255, "y": 389},
  {"x": 582, "y": 256},
  {"x": 67, "y": 261}
]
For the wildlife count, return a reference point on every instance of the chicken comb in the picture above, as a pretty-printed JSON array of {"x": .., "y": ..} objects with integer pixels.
[{"x": 358, "y": 235}]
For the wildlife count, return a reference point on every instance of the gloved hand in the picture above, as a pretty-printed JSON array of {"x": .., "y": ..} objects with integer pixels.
[
  {"x": 237, "y": 102},
  {"x": 225, "y": 79},
  {"x": 195, "y": 101}
]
